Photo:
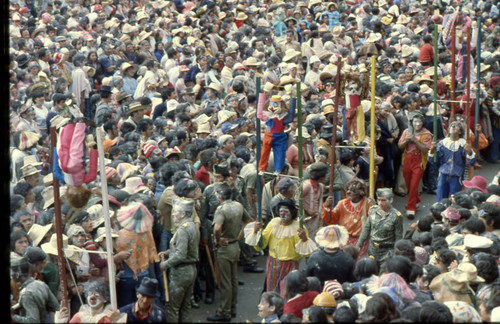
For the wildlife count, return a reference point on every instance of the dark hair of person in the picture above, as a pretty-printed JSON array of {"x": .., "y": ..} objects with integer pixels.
[
  {"x": 380, "y": 308},
  {"x": 400, "y": 265},
  {"x": 344, "y": 314},
  {"x": 405, "y": 248},
  {"x": 274, "y": 299},
  {"x": 16, "y": 236},
  {"x": 365, "y": 268},
  {"x": 447, "y": 256},
  {"x": 425, "y": 223},
  {"x": 314, "y": 284},
  {"x": 143, "y": 124},
  {"x": 296, "y": 283},
  {"x": 474, "y": 225},
  {"x": 434, "y": 311},
  {"x": 317, "y": 315},
  {"x": 416, "y": 271},
  {"x": 486, "y": 266}
]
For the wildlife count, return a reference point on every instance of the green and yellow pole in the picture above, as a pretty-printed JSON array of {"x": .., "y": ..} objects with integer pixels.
[
  {"x": 372, "y": 130},
  {"x": 435, "y": 86}
]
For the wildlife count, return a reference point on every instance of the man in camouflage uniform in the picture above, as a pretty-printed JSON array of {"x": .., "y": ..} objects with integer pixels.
[
  {"x": 182, "y": 258},
  {"x": 384, "y": 227},
  {"x": 229, "y": 219}
]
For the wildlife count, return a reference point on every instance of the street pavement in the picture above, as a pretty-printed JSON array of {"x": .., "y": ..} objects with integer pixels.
[{"x": 249, "y": 293}]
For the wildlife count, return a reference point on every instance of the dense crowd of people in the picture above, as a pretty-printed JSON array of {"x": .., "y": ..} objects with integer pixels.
[{"x": 175, "y": 95}]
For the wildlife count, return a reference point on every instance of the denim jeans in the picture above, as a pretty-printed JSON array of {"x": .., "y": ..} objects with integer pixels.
[{"x": 165, "y": 238}]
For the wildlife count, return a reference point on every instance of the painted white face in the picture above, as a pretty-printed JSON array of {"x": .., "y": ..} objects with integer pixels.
[
  {"x": 275, "y": 107},
  {"x": 95, "y": 300},
  {"x": 285, "y": 215},
  {"x": 417, "y": 124}
]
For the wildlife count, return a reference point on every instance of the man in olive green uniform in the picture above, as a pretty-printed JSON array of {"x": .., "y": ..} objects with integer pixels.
[
  {"x": 384, "y": 226},
  {"x": 182, "y": 258},
  {"x": 229, "y": 219}
]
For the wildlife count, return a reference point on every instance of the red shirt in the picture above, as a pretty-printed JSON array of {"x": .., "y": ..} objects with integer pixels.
[
  {"x": 296, "y": 305},
  {"x": 426, "y": 53}
]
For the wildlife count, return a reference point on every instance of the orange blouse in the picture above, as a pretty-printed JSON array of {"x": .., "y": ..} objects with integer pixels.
[{"x": 347, "y": 215}]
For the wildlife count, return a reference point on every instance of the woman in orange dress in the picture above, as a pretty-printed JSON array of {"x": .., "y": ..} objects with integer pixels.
[{"x": 350, "y": 212}]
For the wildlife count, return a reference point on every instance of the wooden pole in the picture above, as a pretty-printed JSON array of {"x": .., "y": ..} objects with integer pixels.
[
  {"x": 372, "y": 131},
  {"x": 107, "y": 220},
  {"x": 435, "y": 86},
  {"x": 301, "y": 153},
  {"x": 58, "y": 223},
  {"x": 467, "y": 107},
  {"x": 453, "y": 72},
  {"x": 259, "y": 184},
  {"x": 334, "y": 122},
  {"x": 478, "y": 87},
  {"x": 165, "y": 281}
]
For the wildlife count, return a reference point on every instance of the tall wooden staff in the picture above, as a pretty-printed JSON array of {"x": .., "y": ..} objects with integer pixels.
[
  {"x": 478, "y": 87},
  {"x": 301, "y": 153},
  {"x": 435, "y": 86},
  {"x": 58, "y": 223},
  {"x": 334, "y": 133},
  {"x": 259, "y": 184},
  {"x": 467, "y": 109},
  {"x": 453, "y": 73},
  {"x": 107, "y": 220},
  {"x": 372, "y": 131}
]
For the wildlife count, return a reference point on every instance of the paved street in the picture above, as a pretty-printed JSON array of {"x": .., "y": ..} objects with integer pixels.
[{"x": 249, "y": 293}]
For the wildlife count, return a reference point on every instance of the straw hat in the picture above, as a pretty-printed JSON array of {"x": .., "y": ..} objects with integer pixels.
[
  {"x": 290, "y": 54},
  {"x": 466, "y": 272},
  {"x": 223, "y": 116},
  {"x": 286, "y": 79},
  {"x": 424, "y": 78},
  {"x": 101, "y": 234},
  {"x": 96, "y": 214},
  {"x": 251, "y": 61},
  {"x": 337, "y": 30},
  {"x": 332, "y": 237},
  {"x": 135, "y": 217},
  {"x": 202, "y": 119},
  {"x": 141, "y": 15},
  {"x": 425, "y": 89},
  {"x": 203, "y": 128},
  {"x": 374, "y": 37},
  {"x": 406, "y": 51},
  {"x": 134, "y": 185},
  {"x": 37, "y": 232},
  {"x": 28, "y": 170},
  {"x": 241, "y": 16},
  {"x": 51, "y": 248},
  {"x": 135, "y": 106},
  {"x": 58, "y": 121},
  {"x": 214, "y": 86},
  {"x": 305, "y": 132},
  {"x": 418, "y": 30},
  {"x": 403, "y": 20}
]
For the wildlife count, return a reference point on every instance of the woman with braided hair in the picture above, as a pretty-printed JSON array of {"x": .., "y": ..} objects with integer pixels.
[{"x": 350, "y": 212}]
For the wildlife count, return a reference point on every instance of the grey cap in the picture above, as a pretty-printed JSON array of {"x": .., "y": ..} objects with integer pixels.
[
  {"x": 33, "y": 254},
  {"x": 285, "y": 184}
]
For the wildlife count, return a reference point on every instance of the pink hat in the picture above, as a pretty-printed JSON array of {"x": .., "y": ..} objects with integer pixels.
[
  {"x": 110, "y": 172},
  {"x": 333, "y": 287},
  {"x": 477, "y": 182},
  {"x": 451, "y": 213},
  {"x": 46, "y": 17}
]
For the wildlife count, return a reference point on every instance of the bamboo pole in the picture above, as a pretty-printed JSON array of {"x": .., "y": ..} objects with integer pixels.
[
  {"x": 301, "y": 153},
  {"x": 58, "y": 223},
  {"x": 467, "y": 109},
  {"x": 478, "y": 87},
  {"x": 334, "y": 122},
  {"x": 453, "y": 73},
  {"x": 372, "y": 131},
  {"x": 435, "y": 87},
  {"x": 107, "y": 220}
]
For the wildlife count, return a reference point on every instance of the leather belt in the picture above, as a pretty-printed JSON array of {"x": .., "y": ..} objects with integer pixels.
[{"x": 383, "y": 245}]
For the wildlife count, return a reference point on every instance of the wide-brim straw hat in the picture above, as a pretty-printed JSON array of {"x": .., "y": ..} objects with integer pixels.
[
  {"x": 241, "y": 16},
  {"x": 203, "y": 128},
  {"x": 214, "y": 86},
  {"x": 406, "y": 51},
  {"x": 101, "y": 234},
  {"x": 251, "y": 61},
  {"x": 332, "y": 236},
  {"x": 286, "y": 79},
  {"x": 37, "y": 232},
  {"x": 134, "y": 185},
  {"x": 374, "y": 37},
  {"x": 223, "y": 116},
  {"x": 290, "y": 54}
]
